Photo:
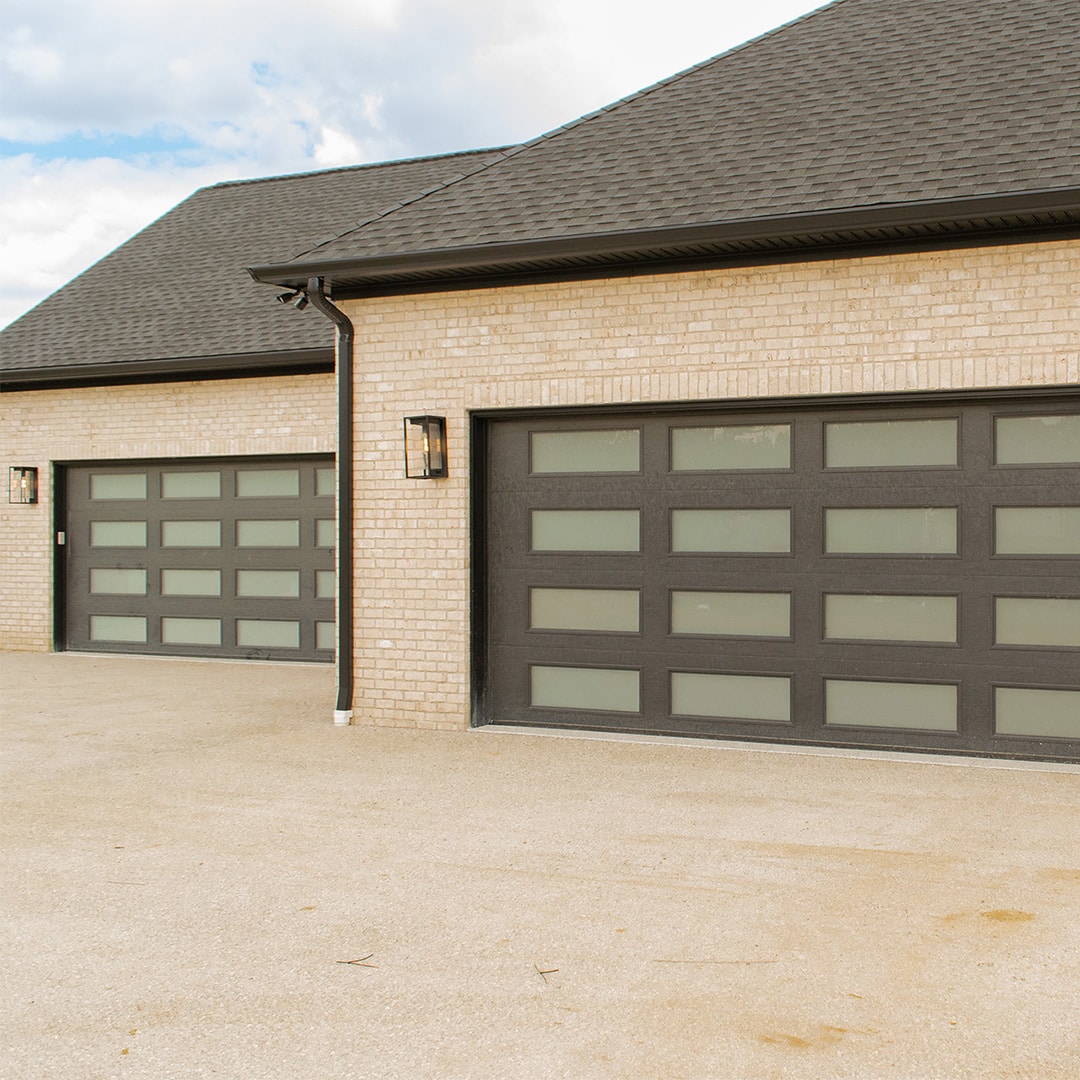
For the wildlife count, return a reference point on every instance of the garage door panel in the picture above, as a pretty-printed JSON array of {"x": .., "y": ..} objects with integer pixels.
[
  {"x": 881, "y": 593},
  {"x": 232, "y": 549}
]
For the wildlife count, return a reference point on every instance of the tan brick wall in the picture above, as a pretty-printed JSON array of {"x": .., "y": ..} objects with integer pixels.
[
  {"x": 980, "y": 317},
  {"x": 281, "y": 415}
]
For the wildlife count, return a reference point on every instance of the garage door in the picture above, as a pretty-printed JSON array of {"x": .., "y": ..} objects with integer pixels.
[
  {"x": 903, "y": 576},
  {"x": 226, "y": 558}
]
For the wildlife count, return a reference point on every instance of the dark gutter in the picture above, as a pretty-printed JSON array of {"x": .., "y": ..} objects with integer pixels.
[
  {"x": 345, "y": 602},
  {"x": 995, "y": 213},
  {"x": 173, "y": 369}
]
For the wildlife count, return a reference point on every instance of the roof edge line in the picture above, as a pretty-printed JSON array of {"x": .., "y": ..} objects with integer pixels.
[
  {"x": 640, "y": 240},
  {"x": 173, "y": 367}
]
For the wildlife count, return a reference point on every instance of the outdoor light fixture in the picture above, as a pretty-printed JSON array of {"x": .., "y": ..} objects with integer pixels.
[
  {"x": 22, "y": 484},
  {"x": 298, "y": 299},
  {"x": 425, "y": 447}
]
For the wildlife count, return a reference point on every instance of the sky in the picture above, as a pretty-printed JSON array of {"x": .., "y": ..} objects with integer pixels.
[{"x": 113, "y": 111}]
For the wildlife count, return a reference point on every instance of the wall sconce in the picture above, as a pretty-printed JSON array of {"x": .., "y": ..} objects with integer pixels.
[
  {"x": 425, "y": 447},
  {"x": 22, "y": 484}
]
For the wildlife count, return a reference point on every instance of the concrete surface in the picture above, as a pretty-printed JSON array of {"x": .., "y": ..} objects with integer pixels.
[{"x": 192, "y": 851}]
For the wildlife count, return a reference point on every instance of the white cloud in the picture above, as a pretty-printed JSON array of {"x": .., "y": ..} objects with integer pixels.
[
  {"x": 334, "y": 148},
  {"x": 58, "y": 218},
  {"x": 120, "y": 108}
]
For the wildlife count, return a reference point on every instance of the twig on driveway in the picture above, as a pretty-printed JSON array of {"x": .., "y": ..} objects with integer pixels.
[{"x": 360, "y": 962}]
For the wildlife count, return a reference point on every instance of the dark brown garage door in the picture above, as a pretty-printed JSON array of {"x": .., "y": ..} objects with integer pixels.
[
  {"x": 226, "y": 558},
  {"x": 904, "y": 576}
]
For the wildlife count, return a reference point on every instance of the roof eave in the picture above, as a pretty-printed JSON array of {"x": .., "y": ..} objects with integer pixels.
[
  {"x": 173, "y": 369},
  {"x": 997, "y": 214}
]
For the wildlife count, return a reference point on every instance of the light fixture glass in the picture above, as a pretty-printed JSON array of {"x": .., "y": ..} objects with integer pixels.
[
  {"x": 22, "y": 484},
  {"x": 425, "y": 447}
]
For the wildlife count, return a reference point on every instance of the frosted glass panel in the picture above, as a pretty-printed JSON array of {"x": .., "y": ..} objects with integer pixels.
[
  {"x": 324, "y": 584},
  {"x": 585, "y": 688},
  {"x": 1037, "y": 530},
  {"x": 1023, "y": 621},
  {"x": 190, "y": 582},
  {"x": 743, "y": 613},
  {"x": 268, "y": 633},
  {"x": 734, "y": 697},
  {"x": 118, "y": 534},
  {"x": 195, "y": 534},
  {"x": 118, "y": 582},
  {"x": 268, "y": 533},
  {"x": 764, "y": 531},
  {"x": 325, "y": 637},
  {"x": 325, "y": 533},
  {"x": 890, "y": 443},
  {"x": 271, "y": 583},
  {"x": 1053, "y": 714},
  {"x": 585, "y": 530},
  {"x": 1038, "y": 440},
  {"x": 191, "y": 485},
  {"x": 922, "y": 531},
  {"x": 891, "y": 618},
  {"x": 586, "y": 451},
  {"x": 176, "y": 631},
  {"x": 738, "y": 446},
  {"x": 118, "y": 486},
  {"x": 918, "y": 706},
  {"x": 117, "y": 628},
  {"x": 585, "y": 609},
  {"x": 325, "y": 482},
  {"x": 267, "y": 483}
]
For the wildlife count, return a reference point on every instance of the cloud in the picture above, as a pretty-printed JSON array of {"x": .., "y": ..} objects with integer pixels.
[
  {"x": 57, "y": 218},
  {"x": 117, "y": 109}
]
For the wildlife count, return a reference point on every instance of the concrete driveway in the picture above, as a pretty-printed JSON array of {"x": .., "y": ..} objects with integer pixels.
[{"x": 202, "y": 876}]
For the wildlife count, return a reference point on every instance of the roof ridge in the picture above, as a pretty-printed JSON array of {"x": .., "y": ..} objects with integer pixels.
[
  {"x": 366, "y": 165},
  {"x": 512, "y": 151}
]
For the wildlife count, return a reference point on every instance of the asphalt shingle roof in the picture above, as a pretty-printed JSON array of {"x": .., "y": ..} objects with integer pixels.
[
  {"x": 860, "y": 104},
  {"x": 178, "y": 290},
  {"x": 859, "y": 108}
]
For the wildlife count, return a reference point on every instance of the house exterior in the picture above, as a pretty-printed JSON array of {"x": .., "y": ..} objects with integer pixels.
[
  {"x": 165, "y": 378},
  {"x": 762, "y": 408}
]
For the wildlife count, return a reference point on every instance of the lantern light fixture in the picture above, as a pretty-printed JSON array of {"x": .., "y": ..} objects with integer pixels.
[
  {"x": 22, "y": 484},
  {"x": 425, "y": 447}
]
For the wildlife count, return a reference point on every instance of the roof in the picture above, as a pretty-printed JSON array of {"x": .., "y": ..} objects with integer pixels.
[
  {"x": 176, "y": 296},
  {"x": 865, "y": 120}
]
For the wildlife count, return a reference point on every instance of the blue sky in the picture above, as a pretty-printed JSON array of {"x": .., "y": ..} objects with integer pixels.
[{"x": 115, "y": 110}]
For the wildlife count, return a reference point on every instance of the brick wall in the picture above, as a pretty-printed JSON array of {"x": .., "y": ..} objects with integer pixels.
[
  {"x": 980, "y": 317},
  {"x": 219, "y": 418}
]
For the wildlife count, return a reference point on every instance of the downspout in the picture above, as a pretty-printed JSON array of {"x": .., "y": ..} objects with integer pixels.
[{"x": 344, "y": 369}]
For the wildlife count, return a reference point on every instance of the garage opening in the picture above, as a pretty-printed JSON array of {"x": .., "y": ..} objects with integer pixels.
[
  {"x": 215, "y": 558},
  {"x": 901, "y": 575}
]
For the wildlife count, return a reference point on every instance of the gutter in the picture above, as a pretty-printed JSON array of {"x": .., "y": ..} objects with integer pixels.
[
  {"x": 172, "y": 369},
  {"x": 345, "y": 602},
  {"x": 939, "y": 217}
]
